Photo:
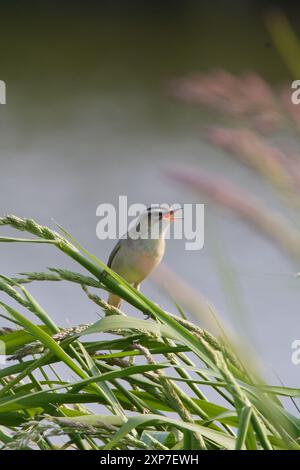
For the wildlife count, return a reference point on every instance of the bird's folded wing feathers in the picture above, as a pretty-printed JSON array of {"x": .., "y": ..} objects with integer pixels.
[{"x": 113, "y": 253}]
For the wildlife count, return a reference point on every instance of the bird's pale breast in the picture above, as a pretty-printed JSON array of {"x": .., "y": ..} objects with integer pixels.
[{"x": 136, "y": 259}]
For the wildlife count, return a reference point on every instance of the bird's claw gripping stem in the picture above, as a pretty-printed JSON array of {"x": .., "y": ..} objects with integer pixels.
[
  {"x": 148, "y": 314},
  {"x": 102, "y": 276}
]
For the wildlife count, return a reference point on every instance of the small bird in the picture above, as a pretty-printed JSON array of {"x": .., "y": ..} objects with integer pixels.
[{"x": 137, "y": 255}]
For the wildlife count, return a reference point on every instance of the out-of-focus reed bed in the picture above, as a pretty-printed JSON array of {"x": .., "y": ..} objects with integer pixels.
[
  {"x": 273, "y": 224},
  {"x": 248, "y": 99},
  {"x": 258, "y": 125},
  {"x": 256, "y": 115}
]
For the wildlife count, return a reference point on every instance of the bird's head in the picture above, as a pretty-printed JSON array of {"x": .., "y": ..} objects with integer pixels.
[{"x": 153, "y": 223}]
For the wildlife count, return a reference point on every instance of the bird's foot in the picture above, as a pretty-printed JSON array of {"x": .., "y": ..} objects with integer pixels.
[
  {"x": 102, "y": 276},
  {"x": 148, "y": 314}
]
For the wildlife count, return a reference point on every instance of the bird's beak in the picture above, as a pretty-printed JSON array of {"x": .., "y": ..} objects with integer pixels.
[{"x": 171, "y": 215}]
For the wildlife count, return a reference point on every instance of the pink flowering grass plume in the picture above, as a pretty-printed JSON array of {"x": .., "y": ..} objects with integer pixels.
[
  {"x": 250, "y": 208},
  {"x": 249, "y": 97},
  {"x": 275, "y": 165}
]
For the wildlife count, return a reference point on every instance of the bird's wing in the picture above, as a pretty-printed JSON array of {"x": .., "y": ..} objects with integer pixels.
[{"x": 113, "y": 253}]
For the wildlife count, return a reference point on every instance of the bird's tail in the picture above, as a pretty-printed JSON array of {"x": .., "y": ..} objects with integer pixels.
[{"x": 114, "y": 300}]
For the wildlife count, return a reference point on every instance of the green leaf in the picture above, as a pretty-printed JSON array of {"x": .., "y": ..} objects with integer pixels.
[
  {"x": 244, "y": 422},
  {"x": 144, "y": 421},
  {"x": 17, "y": 339}
]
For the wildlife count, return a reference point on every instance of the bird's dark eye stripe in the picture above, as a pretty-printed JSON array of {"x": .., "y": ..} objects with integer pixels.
[{"x": 153, "y": 209}]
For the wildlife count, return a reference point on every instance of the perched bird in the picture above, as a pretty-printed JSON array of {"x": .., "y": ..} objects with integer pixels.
[{"x": 137, "y": 255}]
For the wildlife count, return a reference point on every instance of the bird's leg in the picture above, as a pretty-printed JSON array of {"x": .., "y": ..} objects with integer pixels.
[
  {"x": 113, "y": 299},
  {"x": 148, "y": 315},
  {"x": 137, "y": 285},
  {"x": 102, "y": 276}
]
